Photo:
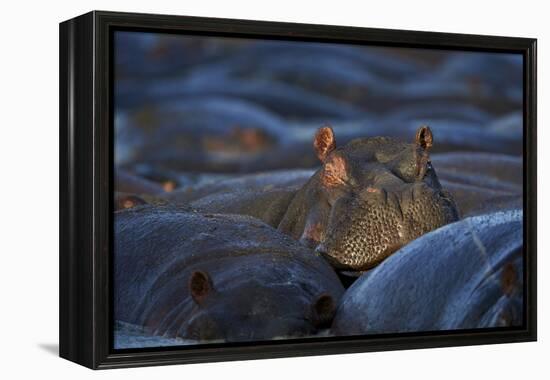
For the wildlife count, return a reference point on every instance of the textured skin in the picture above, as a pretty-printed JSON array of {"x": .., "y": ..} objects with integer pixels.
[
  {"x": 370, "y": 197},
  {"x": 264, "y": 284},
  {"x": 478, "y": 183},
  {"x": 462, "y": 276},
  {"x": 372, "y": 226}
]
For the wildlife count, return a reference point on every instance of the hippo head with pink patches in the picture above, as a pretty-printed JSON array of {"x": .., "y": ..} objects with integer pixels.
[{"x": 369, "y": 198}]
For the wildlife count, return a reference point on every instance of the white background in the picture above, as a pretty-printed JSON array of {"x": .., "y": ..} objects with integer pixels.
[{"x": 29, "y": 188}]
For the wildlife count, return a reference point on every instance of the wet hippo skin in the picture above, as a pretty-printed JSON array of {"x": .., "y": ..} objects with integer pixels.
[
  {"x": 478, "y": 182},
  {"x": 267, "y": 205},
  {"x": 481, "y": 182},
  {"x": 217, "y": 277},
  {"x": 369, "y": 198},
  {"x": 276, "y": 179},
  {"x": 465, "y": 275}
]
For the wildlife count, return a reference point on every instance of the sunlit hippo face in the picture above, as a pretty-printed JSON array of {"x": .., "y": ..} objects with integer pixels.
[{"x": 379, "y": 194}]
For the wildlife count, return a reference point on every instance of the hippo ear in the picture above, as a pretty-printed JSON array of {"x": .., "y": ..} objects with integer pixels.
[
  {"x": 200, "y": 285},
  {"x": 324, "y": 142},
  {"x": 424, "y": 137},
  {"x": 322, "y": 311}
]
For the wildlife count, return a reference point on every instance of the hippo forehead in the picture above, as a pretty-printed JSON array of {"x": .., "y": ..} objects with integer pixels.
[
  {"x": 370, "y": 158},
  {"x": 379, "y": 148},
  {"x": 389, "y": 195}
]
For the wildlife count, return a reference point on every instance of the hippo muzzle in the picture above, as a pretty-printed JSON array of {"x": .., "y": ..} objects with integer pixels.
[{"x": 367, "y": 227}]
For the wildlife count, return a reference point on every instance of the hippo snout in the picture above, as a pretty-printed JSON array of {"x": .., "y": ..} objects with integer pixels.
[{"x": 376, "y": 223}]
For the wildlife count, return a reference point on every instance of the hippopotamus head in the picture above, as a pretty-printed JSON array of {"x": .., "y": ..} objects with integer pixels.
[
  {"x": 372, "y": 196},
  {"x": 250, "y": 312}
]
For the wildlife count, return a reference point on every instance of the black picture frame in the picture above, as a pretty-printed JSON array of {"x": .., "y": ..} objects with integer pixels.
[{"x": 86, "y": 173}]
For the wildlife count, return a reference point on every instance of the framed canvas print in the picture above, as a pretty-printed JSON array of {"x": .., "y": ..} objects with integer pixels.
[{"x": 238, "y": 189}]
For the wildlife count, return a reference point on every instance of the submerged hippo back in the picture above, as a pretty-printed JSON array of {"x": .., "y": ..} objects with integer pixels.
[
  {"x": 211, "y": 277},
  {"x": 481, "y": 182}
]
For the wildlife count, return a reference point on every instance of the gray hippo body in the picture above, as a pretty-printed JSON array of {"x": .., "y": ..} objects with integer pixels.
[
  {"x": 465, "y": 275},
  {"x": 369, "y": 198},
  {"x": 212, "y": 135},
  {"x": 217, "y": 277},
  {"x": 276, "y": 179},
  {"x": 269, "y": 206},
  {"x": 481, "y": 182},
  {"x": 478, "y": 183}
]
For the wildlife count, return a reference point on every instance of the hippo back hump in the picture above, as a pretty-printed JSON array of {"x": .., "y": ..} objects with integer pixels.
[{"x": 232, "y": 248}]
